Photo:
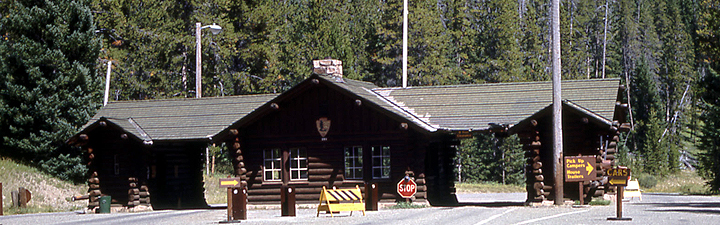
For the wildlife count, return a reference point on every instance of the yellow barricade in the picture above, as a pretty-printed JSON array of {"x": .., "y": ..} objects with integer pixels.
[
  {"x": 632, "y": 190},
  {"x": 338, "y": 200}
]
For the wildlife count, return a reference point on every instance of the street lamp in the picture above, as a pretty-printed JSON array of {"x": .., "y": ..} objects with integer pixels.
[{"x": 215, "y": 29}]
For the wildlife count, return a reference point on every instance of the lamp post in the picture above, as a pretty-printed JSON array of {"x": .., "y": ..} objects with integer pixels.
[{"x": 215, "y": 29}]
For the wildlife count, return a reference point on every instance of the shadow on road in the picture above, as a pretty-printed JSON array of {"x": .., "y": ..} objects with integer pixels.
[{"x": 491, "y": 204}]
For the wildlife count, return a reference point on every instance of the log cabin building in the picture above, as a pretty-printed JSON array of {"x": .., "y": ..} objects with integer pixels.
[{"x": 332, "y": 131}]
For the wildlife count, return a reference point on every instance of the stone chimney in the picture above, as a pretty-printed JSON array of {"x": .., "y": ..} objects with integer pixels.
[{"x": 330, "y": 67}]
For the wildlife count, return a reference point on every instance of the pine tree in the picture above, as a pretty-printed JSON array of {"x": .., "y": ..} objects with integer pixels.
[
  {"x": 708, "y": 44},
  {"x": 50, "y": 86}
]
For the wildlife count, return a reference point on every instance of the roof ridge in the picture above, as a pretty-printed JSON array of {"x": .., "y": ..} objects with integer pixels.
[{"x": 497, "y": 84}]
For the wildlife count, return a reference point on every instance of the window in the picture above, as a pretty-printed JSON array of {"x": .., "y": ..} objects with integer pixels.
[
  {"x": 298, "y": 164},
  {"x": 353, "y": 162},
  {"x": 381, "y": 161},
  {"x": 272, "y": 165}
]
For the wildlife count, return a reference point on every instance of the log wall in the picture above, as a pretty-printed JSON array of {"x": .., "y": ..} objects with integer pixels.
[{"x": 291, "y": 123}]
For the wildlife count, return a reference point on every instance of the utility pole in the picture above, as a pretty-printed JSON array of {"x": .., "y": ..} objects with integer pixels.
[
  {"x": 557, "y": 106},
  {"x": 404, "y": 50}
]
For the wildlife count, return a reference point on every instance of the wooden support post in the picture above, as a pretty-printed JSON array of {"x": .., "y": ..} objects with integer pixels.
[
  {"x": 1, "y": 202},
  {"x": 619, "y": 199},
  {"x": 580, "y": 192}
]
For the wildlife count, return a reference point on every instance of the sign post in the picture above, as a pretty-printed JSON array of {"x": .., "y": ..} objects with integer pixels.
[
  {"x": 236, "y": 199},
  {"x": 579, "y": 169},
  {"x": 406, "y": 188},
  {"x": 618, "y": 177}
]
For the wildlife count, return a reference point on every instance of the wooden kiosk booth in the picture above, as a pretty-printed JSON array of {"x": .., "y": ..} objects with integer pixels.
[{"x": 332, "y": 131}]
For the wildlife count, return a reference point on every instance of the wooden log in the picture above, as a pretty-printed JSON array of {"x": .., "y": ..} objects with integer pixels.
[
  {"x": 144, "y": 194},
  {"x": 322, "y": 171},
  {"x": 610, "y": 157},
  {"x": 611, "y": 151},
  {"x": 536, "y": 171},
  {"x": 538, "y": 185},
  {"x": 319, "y": 165},
  {"x": 132, "y": 185},
  {"x": 547, "y": 188},
  {"x": 539, "y": 192},
  {"x": 612, "y": 144},
  {"x": 532, "y": 160},
  {"x": 94, "y": 186},
  {"x": 94, "y": 193},
  {"x": 537, "y": 165},
  {"x": 93, "y": 204},
  {"x": 94, "y": 180},
  {"x": 539, "y": 177}
]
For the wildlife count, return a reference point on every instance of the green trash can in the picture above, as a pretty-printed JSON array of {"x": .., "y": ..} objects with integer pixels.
[{"x": 105, "y": 204}]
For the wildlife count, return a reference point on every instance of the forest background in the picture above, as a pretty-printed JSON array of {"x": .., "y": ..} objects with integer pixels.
[{"x": 54, "y": 53}]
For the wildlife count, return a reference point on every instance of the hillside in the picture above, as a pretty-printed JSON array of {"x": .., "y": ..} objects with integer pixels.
[{"x": 49, "y": 194}]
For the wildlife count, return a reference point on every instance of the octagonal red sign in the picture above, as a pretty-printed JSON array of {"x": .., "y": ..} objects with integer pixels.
[{"x": 406, "y": 188}]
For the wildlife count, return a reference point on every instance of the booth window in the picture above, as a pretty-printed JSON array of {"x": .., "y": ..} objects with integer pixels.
[
  {"x": 273, "y": 164},
  {"x": 298, "y": 164},
  {"x": 381, "y": 161},
  {"x": 353, "y": 162}
]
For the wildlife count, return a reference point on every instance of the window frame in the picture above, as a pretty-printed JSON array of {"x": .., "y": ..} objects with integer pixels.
[
  {"x": 295, "y": 156},
  {"x": 351, "y": 166},
  {"x": 275, "y": 162},
  {"x": 384, "y": 159}
]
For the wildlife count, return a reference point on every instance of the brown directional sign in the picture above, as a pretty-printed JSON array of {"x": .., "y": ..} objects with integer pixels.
[
  {"x": 579, "y": 168},
  {"x": 230, "y": 182},
  {"x": 618, "y": 176}
]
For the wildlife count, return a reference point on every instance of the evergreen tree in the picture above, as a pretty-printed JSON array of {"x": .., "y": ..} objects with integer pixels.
[
  {"x": 708, "y": 30},
  {"x": 489, "y": 157},
  {"x": 50, "y": 86}
]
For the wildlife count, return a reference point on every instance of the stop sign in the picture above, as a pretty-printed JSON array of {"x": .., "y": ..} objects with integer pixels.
[{"x": 406, "y": 188}]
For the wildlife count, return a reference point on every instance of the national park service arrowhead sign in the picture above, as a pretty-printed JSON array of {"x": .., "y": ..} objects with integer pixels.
[{"x": 323, "y": 126}]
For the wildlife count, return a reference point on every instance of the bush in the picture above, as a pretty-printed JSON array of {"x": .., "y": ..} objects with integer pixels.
[{"x": 647, "y": 181}]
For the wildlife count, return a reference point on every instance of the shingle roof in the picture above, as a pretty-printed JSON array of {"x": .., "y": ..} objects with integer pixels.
[
  {"x": 432, "y": 108},
  {"x": 178, "y": 119},
  {"x": 474, "y": 107}
]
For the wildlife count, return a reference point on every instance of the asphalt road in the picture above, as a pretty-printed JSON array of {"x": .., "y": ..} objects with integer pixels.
[{"x": 476, "y": 209}]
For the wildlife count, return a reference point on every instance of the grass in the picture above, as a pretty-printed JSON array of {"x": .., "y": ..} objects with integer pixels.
[
  {"x": 406, "y": 205},
  {"x": 488, "y": 187},
  {"x": 683, "y": 182},
  {"x": 213, "y": 193},
  {"x": 49, "y": 194}
]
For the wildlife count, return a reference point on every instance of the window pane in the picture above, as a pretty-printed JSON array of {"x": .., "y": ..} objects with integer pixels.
[
  {"x": 303, "y": 164},
  {"x": 303, "y": 174},
  {"x": 386, "y": 150},
  {"x": 294, "y": 175},
  {"x": 376, "y": 161},
  {"x": 376, "y": 172},
  {"x": 268, "y": 164},
  {"x": 386, "y": 162},
  {"x": 276, "y": 175},
  {"x": 386, "y": 173},
  {"x": 375, "y": 151}
]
